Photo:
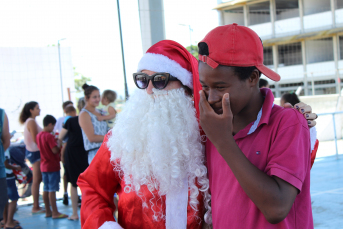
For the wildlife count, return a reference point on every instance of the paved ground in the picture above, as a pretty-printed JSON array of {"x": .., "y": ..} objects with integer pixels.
[{"x": 326, "y": 192}]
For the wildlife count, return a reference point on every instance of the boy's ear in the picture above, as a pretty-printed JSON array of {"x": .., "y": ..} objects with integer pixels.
[{"x": 254, "y": 78}]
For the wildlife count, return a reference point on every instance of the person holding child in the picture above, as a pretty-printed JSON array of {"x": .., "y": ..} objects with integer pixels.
[
  {"x": 50, "y": 167},
  {"x": 93, "y": 130},
  {"x": 108, "y": 112}
]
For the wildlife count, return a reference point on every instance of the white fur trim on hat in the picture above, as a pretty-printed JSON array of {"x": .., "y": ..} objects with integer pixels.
[
  {"x": 160, "y": 63},
  {"x": 110, "y": 225}
]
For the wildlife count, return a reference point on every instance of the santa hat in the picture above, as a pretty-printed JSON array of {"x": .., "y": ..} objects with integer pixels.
[{"x": 171, "y": 57}]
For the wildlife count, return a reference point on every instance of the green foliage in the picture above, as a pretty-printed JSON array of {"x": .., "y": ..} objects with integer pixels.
[
  {"x": 79, "y": 80},
  {"x": 194, "y": 50}
]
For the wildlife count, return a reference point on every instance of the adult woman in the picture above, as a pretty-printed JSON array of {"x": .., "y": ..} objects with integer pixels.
[
  {"x": 28, "y": 118},
  {"x": 4, "y": 144},
  {"x": 75, "y": 158},
  {"x": 93, "y": 131}
]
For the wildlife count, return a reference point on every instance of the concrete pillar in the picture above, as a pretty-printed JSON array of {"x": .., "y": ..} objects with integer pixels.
[
  {"x": 335, "y": 41},
  {"x": 151, "y": 15},
  {"x": 301, "y": 15},
  {"x": 276, "y": 64},
  {"x": 246, "y": 15},
  {"x": 303, "y": 54},
  {"x": 333, "y": 8},
  {"x": 272, "y": 9}
]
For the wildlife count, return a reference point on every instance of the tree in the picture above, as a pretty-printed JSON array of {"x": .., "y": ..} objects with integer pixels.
[
  {"x": 194, "y": 50},
  {"x": 79, "y": 80}
]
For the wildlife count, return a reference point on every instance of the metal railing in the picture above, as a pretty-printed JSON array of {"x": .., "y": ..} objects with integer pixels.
[{"x": 334, "y": 126}]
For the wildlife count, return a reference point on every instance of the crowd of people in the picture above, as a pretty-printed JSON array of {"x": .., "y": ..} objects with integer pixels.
[
  {"x": 198, "y": 145},
  {"x": 60, "y": 140}
]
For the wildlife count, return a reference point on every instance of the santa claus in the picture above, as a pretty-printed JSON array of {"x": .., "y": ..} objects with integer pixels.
[{"x": 153, "y": 157}]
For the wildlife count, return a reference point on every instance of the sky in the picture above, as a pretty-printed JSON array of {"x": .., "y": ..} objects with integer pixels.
[{"x": 91, "y": 30}]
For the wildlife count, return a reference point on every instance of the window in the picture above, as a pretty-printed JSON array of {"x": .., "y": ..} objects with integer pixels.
[
  {"x": 319, "y": 50},
  {"x": 339, "y": 4},
  {"x": 290, "y": 54},
  {"x": 316, "y": 6},
  {"x": 234, "y": 16},
  {"x": 259, "y": 13},
  {"x": 268, "y": 56},
  {"x": 286, "y": 9}
]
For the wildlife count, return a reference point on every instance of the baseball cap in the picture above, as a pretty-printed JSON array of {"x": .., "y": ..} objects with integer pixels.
[{"x": 235, "y": 45}]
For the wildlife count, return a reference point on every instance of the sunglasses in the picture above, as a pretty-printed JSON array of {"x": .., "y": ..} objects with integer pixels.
[{"x": 159, "y": 80}]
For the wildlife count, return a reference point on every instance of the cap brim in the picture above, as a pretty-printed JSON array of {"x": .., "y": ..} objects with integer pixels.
[{"x": 269, "y": 73}]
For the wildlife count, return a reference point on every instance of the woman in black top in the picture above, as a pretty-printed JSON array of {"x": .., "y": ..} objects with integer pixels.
[{"x": 75, "y": 158}]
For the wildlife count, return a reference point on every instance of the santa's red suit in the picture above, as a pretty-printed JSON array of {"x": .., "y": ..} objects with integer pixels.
[{"x": 100, "y": 182}]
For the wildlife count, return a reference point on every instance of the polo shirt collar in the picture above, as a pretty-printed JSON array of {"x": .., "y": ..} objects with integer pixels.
[{"x": 262, "y": 116}]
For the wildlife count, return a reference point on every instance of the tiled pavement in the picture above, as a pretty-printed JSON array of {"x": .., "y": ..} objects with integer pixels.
[{"x": 326, "y": 192}]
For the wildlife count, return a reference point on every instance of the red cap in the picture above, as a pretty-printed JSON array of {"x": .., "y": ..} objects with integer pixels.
[{"x": 235, "y": 45}]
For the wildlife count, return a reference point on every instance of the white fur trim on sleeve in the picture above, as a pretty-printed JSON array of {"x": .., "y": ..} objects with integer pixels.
[
  {"x": 160, "y": 63},
  {"x": 313, "y": 135},
  {"x": 110, "y": 225}
]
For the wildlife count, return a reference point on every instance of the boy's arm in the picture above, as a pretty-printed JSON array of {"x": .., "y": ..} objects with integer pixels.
[
  {"x": 6, "y": 136},
  {"x": 112, "y": 114},
  {"x": 13, "y": 167},
  {"x": 272, "y": 195}
]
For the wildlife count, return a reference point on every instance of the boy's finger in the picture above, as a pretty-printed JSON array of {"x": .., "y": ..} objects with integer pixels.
[
  {"x": 204, "y": 106},
  {"x": 226, "y": 104}
]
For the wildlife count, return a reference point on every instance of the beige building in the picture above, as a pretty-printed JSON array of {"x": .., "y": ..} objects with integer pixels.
[{"x": 302, "y": 39}]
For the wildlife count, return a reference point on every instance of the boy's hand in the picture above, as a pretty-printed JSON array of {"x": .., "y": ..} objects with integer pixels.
[
  {"x": 218, "y": 128},
  {"x": 306, "y": 110},
  {"x": 17, "y": 167}
]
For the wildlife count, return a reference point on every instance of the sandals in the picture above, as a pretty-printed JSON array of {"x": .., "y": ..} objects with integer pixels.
[{"x": 61, "y": 216}]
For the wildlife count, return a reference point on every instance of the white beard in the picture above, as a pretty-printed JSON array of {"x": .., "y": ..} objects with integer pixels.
[{"x": 156, "y": 140}]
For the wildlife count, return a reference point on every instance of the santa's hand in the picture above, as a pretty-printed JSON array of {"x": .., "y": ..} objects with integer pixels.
[{"x": 217, "y": 127}]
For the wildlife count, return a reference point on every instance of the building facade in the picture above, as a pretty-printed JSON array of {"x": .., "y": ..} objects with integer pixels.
[{"x": 302, "y": 39}]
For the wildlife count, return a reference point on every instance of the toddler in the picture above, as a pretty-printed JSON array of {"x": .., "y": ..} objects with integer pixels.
[{"x": 108, "y": 112}]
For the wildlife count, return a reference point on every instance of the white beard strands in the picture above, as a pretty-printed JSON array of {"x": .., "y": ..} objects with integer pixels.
[{"x": 157, "y": 141}]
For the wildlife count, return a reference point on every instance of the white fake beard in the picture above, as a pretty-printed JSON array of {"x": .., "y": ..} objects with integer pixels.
[{"x": 156, "y": 138}]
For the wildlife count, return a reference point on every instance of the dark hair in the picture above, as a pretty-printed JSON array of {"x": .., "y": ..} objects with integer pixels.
[
  {"x": 242, "y": 72},
  {"x": 66, "y": 103},
  {"x": 88, "y": 89},
  {"x": 263, "y": 83},
  {"x": 110, "y": 95},
  {"x": 291, "y": 98},
  {"x": 25, "y": 112},
  {"x": 49, "y": 119},
  {"x": 69, "y": 109}
]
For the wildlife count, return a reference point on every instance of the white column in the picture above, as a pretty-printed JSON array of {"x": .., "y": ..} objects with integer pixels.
[
  {"x": 301, "y": 14},
  {"x": 272, "y": 9},
  {"x": 335, "y": 56},
  {"x": 276, "y": 64},
  {"x": 303, "y": 55},
  {"x": 333, "y": 8},
  {"x": 246, "y": 15}
]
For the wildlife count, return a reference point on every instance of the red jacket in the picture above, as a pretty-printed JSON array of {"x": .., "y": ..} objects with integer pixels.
[{"x": 100, "y": 182}]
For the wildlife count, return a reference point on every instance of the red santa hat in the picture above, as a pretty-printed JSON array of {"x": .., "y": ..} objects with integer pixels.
[{"x": 171, "y": 57}]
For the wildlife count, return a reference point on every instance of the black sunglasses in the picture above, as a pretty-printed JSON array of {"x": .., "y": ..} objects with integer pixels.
[{"x": 159, "y": 80}]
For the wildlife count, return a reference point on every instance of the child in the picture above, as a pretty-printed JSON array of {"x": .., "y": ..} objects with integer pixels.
[
  {"x": 108, "y": 112},
  {"x": 50, "y": 166},
  {"x": 13, "y": 195},
  {"x": 70, "y": 112},
  {"x": 258, "y": 153}
]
